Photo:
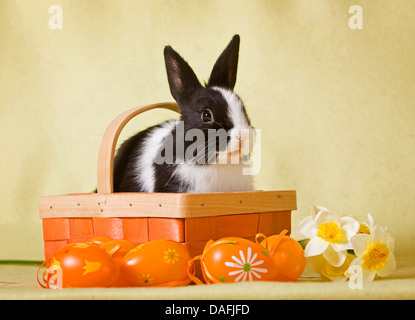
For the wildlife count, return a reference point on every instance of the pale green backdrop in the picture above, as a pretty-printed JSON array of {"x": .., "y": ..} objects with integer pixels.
[{"x": 335, "y": 105}]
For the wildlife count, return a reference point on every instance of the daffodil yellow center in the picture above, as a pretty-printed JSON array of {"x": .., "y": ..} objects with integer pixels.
[
  {"x": 375, "y": 258},
  {"x": 363, "y": 228},
  {"x": 330, "y": 232}
]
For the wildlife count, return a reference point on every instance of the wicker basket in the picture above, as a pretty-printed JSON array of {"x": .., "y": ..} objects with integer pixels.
[{"x": 191, "y": 219}]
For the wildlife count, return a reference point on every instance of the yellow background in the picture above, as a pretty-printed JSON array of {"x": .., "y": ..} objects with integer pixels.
[{"x": 335, "y": 105}]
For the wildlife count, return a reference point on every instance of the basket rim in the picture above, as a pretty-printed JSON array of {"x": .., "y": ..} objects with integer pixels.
[{"x": 172, "y": 205}]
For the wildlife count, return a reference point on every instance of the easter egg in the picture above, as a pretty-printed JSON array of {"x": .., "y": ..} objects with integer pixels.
[
  {"x": 81, "y": 265},
  {"x": 288, "y": 256},
  {"x": 117, "y": 249},
  {"x": 99, "y": 241},
  {"x": 156, "y": 263},
  {"x": 234, "y": 259}
]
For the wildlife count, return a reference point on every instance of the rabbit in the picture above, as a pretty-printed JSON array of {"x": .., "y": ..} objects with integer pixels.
[{"x": 194, "y": 167}]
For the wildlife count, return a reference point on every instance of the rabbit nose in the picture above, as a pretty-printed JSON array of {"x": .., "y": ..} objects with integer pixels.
[{"x": 246, "y": 138}]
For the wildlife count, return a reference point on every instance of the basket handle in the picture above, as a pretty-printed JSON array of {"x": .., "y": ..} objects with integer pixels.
[{"x": 109, "y": 142}]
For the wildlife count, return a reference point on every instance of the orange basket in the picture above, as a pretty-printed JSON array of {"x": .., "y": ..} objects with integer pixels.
[{"x": 191, "y": 219}]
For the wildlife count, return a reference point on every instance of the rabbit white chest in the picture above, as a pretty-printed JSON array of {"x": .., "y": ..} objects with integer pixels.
[{"x": 214, "y": 178}]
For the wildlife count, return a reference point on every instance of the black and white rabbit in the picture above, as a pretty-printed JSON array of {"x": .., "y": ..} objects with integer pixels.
[{"x": 202, "y": 109}]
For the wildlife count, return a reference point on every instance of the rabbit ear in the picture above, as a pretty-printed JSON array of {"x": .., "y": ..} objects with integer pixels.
[
  {"x": 182, "y": 79},
  {"x": 224, "y": 71}
]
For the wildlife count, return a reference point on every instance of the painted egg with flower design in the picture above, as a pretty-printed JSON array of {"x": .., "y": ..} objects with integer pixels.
[
  {"x": 81, "y": 265},
  {"x": 156, "y": 263},
  {"x": 234, "y": 259}
]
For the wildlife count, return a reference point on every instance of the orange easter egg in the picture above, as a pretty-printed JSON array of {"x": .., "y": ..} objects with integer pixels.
[
  {"x": 236, "y": 259},
  {"x": 81, "y": 265},
  {"x": 117, "y": 249},
  {"x": 156, "y": 263},
  {"x": 99, "y": 241},
  {"x": 288, "y": 256}
]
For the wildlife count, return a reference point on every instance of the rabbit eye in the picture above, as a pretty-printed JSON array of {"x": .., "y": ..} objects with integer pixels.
[{"x": 207, "y": 116}]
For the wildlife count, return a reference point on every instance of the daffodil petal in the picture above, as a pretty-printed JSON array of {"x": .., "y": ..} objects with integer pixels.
[
  {"x": 325, "y": 217},
  {"x": 316, "y": 210},
  {"x": 368, "y": 275},
  {"x": 379, "y": 235},
  {"x": 358, "y": 261},
  {"x": 391, "y": 244},
  {"x": 304, "y": 228},
  {"x": 359, "y": 243},
  {"x": 349, "y": 234},
  {"x": 341, "y": 246},
  {"x": 335, "y": 258},
  {"x": 349, "y": 223},
  {"x": 370, "y": 221},
  {"x": 389, "y": 267},
  {"x": 315, "y": 246}
]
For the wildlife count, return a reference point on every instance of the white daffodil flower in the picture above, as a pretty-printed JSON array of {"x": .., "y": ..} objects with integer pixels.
[
  {"x": 374, "y": 253},
  {"x": 366, "y": 227},
  {"x": 329, "y": 235}
]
